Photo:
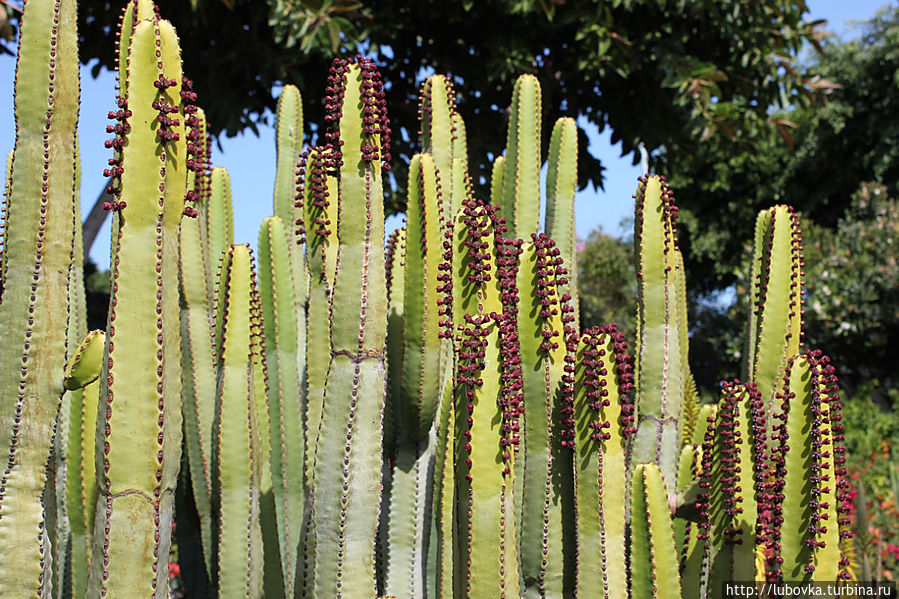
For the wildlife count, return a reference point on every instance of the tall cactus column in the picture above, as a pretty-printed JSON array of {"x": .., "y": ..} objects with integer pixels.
[
  {"x": 661, "y": 363},
  {"x": 139, "y": 421},
  {"x": 347, "y": 470},
  {"x": 38, "y": 251}
]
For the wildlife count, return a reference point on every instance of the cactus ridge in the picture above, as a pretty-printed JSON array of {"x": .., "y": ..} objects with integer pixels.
[
  {"x": 809, "y": 417},
  {"x": 600, "y": 427},
  {"x": 775, "y": 326},
  {"x": 521, "y": 167},
  {"x": 157, "y": 198},
  {"x": 661, "y": 363},
  {"x": 38, "y": 240},
  {"x": 561, "y": 184}
]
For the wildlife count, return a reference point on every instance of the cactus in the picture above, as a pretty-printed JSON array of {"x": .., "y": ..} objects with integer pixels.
[
  {"x": 238, "y": 447},
  {"x": 602, "y": 425},
  {"x": 521, "y": 168},
  {"x": 197, "y": 348},
  {"x": 653, "y": 562},
  {"x": 509, "y": 464},
  {"x": 38, "y": 256},
  {"x": 661, "y": 361},
  {"x": 139, "y": 418},
  {"x": 775, "y": 333},
  {"x": 738, "y": 468},
  {"x": 318, "y": 199},
  {"x": 810, "y": 477},
  {"x": 81, "y": 477},
  {"x": 426, "y": 373},
  {"x": 345, "y": 514},
  {"x": 561, "y": 183},
  {"x": 547, "y": 344},
  {"x": 285, "y": 396},
  {"x": 487, "y": 559}
]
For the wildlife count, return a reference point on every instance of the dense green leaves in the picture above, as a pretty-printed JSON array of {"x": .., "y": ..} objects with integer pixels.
[{"x": 665, "y": 73}]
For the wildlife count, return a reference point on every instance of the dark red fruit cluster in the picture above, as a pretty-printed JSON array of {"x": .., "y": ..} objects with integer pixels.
[{"x": 375, "y": 123}]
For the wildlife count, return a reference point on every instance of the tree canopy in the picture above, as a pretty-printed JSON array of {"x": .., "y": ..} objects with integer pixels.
[
  {"x": 667, "y": 73},
  {"x": 814, "y": 157}
]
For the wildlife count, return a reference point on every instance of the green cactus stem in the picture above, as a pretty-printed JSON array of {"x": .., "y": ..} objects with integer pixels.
[
  {"x": 561, "y": 184},
  {"x": 547, "y": 345},
  {"x": 661, "y": 363},
  {"x": 347, "y": 468},
  {"x": 653, "y": 560},
  {"x": 197, "y": 342},
  {"x": 520, "y": 199},
  {"x": 737, "y": 482},
  {"x": 486, "y": 408},
  {"x": 139, "y": 421},
  {"x": 82, "y": 378},
  {"x": 443, "y": 138},
  {"x": 318, "y": 199},
  {"x": 775, "y": 319},
  {"x": 38, "y": 254},
  {"x": 496, "y": 180},
  {"x": 602, "y": 424},
  {"x": 426, "y": 374},
  {"x": 810, "y": 480},
  {"x": 289, "y": 141},
  {"x": 217, "y": 221},
  {"x": 285, "y": 394},
  {"x": 238, "y": 446}
]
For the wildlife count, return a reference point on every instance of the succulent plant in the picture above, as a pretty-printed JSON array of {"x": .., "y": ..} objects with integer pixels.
[{"x": 421, "y": 421}]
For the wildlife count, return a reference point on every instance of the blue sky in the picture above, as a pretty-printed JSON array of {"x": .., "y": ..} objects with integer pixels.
[{"x": 250, "y": 160}]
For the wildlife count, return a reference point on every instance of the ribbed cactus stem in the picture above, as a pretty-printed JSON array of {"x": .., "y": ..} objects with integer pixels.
[
  {"x": 486, "y": 413},
  {"x": 496, "y": 180},
  {"x": 653, "y": 560},
  {"x": 289, "y": 141},
  {"x": 426, "y": 275},
  {"x": 238, "y": 447},
  {"x": 602, "y": 423},
  {"x": 82, "y": 377},
  {"x": 140, "y": 396},
  {"x": 38, "y": 254},
  {"x": 218, "y": 224},
  {"x": 347, "y": 469},
  {"x": 520, "y": 198},
  {"x": 809, "y": 470},
  {"x": 561, "y": 184},
  {"x": 737, "y": 477},
  {"x": 661, "y": 365},
  {"x": 426, "y": 374},
  {"x": 548, "y": 342},
  {"x": 776, "y": 309},
  {"x": 318, "y": 196},
  {"x": 285, "y": 394}
]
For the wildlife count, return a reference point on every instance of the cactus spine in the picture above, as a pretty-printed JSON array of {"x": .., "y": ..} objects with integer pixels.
[
  {"x": 139, "y": 418},
  {"x": 38, "y": 253}
]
